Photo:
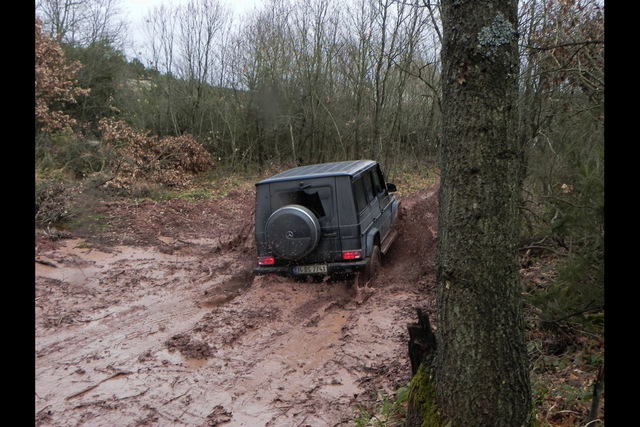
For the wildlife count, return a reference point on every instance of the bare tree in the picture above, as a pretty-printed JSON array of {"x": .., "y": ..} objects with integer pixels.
[
  {"x": 357, "y": 61},
  {"x": 84, "y": 22},
  {"x": 200, "y": 26},
  {"x": 264, "y": 60},
  {"x": 62, "y": 18},
  {"x": 314, "y": 28},
  {"x": 160, "y": 28},
  {"x": 201, "y": 23}
]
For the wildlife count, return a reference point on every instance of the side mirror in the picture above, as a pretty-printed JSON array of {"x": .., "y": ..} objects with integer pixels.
[{"x": 391, "y": 188}]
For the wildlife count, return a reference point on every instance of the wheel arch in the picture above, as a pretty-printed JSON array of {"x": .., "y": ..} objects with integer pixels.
[{"x": 373, "y": 239}]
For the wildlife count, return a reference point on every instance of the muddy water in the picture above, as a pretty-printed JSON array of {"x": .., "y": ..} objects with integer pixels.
[
  {"x": 279, "y": 367},
  {"x": 245, "y": 351}
]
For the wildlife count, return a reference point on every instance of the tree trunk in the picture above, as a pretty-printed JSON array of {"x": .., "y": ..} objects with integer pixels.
[{"x": 480, "y": 371}]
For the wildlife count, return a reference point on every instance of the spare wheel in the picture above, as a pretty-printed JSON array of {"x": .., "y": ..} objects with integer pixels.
[{"x": 292, "y": 232}]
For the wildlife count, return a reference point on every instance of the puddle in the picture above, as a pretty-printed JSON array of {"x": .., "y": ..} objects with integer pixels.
[
  {"x": 82, "y": 263},
  {"x": 192, "y": 363},
  {"x": 312, "y": 345}
]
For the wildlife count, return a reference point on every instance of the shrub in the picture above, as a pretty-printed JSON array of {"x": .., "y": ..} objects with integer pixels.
[
  {"x": 168, "y": 161},
  {"x": 53, "y": 203}
]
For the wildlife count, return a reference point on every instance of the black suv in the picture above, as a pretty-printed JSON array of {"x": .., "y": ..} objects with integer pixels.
[{"x": 324, "y": 219}]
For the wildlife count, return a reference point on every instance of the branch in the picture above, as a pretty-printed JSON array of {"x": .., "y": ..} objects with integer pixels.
[
  {"x": 587, "y": 309},
  {"x": 80, "y": 393},
  {"x": 597, "y": 390},
  {"x": 568, "y": 44}
]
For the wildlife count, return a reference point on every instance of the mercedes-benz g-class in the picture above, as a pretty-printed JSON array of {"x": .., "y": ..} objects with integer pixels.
[{"x": 323, "y": 219}]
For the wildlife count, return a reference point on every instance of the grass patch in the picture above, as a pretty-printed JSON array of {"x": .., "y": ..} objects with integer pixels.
[
  {"x": 390, "y": 411},
  {"x": 412, "y": 182}
]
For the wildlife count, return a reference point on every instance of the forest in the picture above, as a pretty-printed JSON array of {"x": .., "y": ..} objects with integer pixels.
[{"x": 200, "y": 93}]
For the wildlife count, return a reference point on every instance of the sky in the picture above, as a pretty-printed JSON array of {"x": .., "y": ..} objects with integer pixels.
[{"x": 137, "y": 9}]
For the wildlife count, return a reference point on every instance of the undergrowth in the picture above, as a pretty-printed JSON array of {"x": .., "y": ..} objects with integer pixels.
[
  {"x": 566, "y": 356},
  {"x": 389, "y": 411}
]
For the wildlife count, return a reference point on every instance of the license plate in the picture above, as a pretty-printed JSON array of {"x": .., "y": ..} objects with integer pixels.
[{"x": 311, "y": 269}]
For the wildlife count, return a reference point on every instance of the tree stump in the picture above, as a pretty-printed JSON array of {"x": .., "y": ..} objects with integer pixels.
[{"x": 422, "y": 341}]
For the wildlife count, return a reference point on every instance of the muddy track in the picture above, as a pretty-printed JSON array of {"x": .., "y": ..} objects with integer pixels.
[{"x": 166, "y": 325}]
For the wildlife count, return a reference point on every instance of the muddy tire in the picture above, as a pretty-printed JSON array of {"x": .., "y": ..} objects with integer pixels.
[
  {"x": 373, "y": 264},
  {"x": 292, "y": 232}
]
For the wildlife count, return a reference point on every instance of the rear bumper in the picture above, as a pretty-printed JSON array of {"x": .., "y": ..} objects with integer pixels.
[{"x": 332, "y": 268}]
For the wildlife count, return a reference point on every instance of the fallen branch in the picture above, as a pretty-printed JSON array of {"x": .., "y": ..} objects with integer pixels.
[
  {"x": 597, "y": 390},
  {"x": 88, "y": 389},
  {"x": 176, "y": 398},
  {"x": 134, "y": 395},
  {"x": 43, "y": 262}
]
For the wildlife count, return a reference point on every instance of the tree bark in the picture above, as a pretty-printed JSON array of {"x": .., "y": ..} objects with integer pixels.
[{"x": 481, "y": 375}]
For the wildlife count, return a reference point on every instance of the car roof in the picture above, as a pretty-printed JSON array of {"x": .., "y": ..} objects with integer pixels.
[{"x": 350, "y": 168}]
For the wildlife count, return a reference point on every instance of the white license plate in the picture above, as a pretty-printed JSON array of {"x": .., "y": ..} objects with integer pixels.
[{"x": 311, "y": 269}]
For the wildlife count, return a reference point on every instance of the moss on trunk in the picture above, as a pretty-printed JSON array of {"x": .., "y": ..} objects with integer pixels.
[{"x": 422, "y": 410}]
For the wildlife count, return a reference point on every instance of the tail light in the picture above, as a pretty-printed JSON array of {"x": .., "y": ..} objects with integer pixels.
[
  {"x": 266, "y": 260},
  {"x": 355, "y": 254}
]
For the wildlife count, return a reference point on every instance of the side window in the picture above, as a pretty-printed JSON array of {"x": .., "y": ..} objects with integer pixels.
[
  {"x": 377, "y": 181},
  {"x": 361, "y": 198},
  {"x": 368, "y": 186}
]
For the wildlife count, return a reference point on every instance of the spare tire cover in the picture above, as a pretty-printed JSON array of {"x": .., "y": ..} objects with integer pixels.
[{"x": 292, "y": 232}]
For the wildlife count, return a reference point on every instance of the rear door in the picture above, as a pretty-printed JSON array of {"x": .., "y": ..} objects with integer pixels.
[{"x": 319, "y": 196}]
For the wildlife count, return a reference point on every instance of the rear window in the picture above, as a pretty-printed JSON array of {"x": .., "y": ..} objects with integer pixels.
[{"x": 318, "y": 200}]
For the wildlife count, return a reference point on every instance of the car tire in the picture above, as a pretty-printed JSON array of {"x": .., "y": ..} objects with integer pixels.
[
  {"x": 292, "y": 232},
  {"x": 373, "y": 264}
]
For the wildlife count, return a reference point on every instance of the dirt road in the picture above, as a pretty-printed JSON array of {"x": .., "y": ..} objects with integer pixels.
[{"x": 154, "y": 318}]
